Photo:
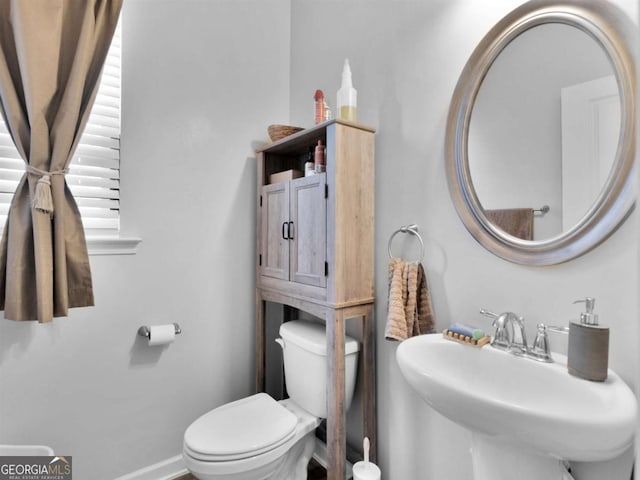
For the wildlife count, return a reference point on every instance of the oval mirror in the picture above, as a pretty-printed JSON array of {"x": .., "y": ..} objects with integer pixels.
[{"x": 541, "y": 132}]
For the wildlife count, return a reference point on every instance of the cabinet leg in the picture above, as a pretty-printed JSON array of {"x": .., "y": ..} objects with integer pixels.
[
  {"x": 260, "y": 345},
  {"x": 369, "y": 383},
  {"x": 336, "y": 435}
]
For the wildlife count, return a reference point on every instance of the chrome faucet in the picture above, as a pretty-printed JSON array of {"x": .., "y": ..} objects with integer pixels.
[
  {"x": 510, "y": 336},
  {"x": 519, "y": 339},
  {"x": 502, "y": 338}
]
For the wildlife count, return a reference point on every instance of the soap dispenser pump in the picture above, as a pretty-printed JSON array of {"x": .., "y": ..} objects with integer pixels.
[{"x": 588, "y": 354}]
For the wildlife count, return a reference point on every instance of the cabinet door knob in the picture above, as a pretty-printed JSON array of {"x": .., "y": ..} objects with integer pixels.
[
  {"x": 284, "y": 235},
  {"x": 290, "y": 231}
]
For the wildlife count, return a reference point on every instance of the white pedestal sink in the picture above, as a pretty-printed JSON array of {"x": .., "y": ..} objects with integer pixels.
[{"x": 521, "y": 413}]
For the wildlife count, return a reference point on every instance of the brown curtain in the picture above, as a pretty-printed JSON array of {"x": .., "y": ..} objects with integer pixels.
[{"x": 51, "y": 57}]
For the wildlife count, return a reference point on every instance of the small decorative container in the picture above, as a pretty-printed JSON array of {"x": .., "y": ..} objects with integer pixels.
[{"x": 277, "y": 132}]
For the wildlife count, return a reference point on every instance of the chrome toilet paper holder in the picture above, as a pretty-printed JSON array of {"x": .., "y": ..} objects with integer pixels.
[{"x": 144, "y": 331}]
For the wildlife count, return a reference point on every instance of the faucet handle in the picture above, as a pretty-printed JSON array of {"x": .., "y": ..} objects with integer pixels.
[
  {"x": 541, "y": 350},
  {"x": 499, "y": 321},
  {"x": 501, "y": 338},
  {"x": 488, "y": 313}
]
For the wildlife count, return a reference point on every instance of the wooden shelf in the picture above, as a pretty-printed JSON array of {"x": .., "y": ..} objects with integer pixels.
[{"x": 315, "y": 253}]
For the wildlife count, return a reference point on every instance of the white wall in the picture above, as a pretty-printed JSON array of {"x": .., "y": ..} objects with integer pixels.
[
  {"x": 201, "y": 81},
  {"x": 406, "y": 57}
]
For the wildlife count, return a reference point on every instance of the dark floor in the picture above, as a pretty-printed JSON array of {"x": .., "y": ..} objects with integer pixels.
[{"x": 314, "y": 472}]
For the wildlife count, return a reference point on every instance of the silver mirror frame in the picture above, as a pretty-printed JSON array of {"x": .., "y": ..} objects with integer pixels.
[{"x": 614, "y": 32}]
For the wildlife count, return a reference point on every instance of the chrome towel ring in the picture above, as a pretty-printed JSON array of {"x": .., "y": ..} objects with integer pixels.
[{"x": 412, "y": 229}]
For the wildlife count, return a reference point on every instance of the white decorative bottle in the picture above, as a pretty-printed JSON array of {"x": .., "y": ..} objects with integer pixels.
[{"x": 347, "y": 103}]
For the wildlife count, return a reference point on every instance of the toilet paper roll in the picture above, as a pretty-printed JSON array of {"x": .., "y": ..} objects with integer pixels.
[{"x": 161, "y": 334}]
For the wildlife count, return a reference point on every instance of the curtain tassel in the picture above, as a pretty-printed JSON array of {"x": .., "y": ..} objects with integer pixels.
[{"x": 42, "y": 200}]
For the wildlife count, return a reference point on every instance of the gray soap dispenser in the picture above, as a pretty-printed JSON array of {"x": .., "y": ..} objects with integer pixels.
[{"x": 588, "y": 354}]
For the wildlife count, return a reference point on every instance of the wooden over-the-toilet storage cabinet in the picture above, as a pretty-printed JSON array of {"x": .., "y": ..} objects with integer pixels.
[{"x": 315, "y": 253}]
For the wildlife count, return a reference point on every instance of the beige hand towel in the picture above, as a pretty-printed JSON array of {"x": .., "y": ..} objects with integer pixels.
[
  {"x": 411, "y": 302},
  {"x": 410, "y": 312},
  {"x": 396, "y": 328},
  {"x": 424, "y": 323}
]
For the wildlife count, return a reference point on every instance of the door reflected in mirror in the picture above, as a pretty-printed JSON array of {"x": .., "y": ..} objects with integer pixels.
[{"x": 544, "y": 130}]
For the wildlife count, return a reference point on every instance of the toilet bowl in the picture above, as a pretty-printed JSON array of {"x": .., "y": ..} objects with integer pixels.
[
  {"x": 262, "y": 438},
  {"x": 259, "y": 438}
]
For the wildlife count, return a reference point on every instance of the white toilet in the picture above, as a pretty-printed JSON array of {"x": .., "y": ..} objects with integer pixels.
[{"x": 258, "y": 438}]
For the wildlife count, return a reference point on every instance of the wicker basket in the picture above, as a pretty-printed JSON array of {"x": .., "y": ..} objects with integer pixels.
[{"x": 276, "y": 132}]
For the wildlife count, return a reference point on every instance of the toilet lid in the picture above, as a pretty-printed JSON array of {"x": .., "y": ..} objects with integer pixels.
[{"x": 240, "y": 429}]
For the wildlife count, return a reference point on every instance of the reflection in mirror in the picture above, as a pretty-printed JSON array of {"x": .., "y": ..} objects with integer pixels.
[{"x": 544, "y": 131}]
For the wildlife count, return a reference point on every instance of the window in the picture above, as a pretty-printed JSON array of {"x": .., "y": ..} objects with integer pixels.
[{"x": 94, "y": 172}]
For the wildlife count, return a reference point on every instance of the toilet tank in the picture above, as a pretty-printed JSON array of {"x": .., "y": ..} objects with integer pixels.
[{"x": 304, "y": 348}]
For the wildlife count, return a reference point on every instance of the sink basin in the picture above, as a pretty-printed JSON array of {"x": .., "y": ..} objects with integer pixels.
[{"x": 521, "y": 401}]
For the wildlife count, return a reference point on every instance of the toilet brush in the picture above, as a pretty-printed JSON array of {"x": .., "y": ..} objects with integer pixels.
[{"x": 366, "y": 470}]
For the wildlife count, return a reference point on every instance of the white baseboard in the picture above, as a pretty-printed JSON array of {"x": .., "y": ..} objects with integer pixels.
[{"x": 165, "y": 470}]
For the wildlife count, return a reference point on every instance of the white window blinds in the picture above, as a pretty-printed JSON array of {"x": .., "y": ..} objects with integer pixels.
[{"x": 94, "y": 172}]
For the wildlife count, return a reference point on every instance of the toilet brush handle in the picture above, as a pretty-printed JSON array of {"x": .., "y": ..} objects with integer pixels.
[{"x": 365, "y": 447}]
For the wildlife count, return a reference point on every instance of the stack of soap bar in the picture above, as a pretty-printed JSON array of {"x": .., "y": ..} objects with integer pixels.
[
  {"x": 466, "y": 330},
  {"x": 466, "y": 334}
]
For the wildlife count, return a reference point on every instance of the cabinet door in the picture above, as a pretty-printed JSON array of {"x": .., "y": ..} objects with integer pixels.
[
  {"x": 275, "y": 218},
  {"x": 308, "y": 230}
]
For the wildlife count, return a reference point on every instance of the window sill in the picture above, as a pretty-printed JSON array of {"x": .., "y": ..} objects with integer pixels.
[{"x": 112, "y": 245}]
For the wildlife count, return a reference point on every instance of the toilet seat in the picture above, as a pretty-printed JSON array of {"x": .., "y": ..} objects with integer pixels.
[{"x": 245, "y": 428}]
